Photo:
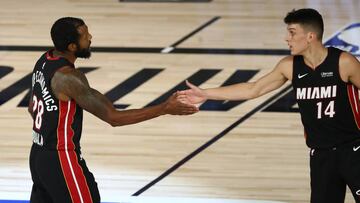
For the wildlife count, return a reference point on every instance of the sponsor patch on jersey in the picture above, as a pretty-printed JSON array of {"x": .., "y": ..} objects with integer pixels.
[
  {"x": 327, "y": 74},
  {"x": 347, "y": 39}
]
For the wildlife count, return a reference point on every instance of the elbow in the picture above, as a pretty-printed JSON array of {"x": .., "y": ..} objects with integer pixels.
[
  {"x": 109, "y": 118},
  {"x": 253, "y": 92},
  {"x": 114, "y": 123},
  {"x": 113, "y": 119},
  {"x": 111, "y": 123}
]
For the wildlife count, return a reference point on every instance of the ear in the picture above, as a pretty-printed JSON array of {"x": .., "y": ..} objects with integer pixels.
[
  {"x": 311, "y": 36},
  {"x": 72, "y": 47}
]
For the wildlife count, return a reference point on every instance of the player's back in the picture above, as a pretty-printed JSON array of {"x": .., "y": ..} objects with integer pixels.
[{"x": 57, "y": 124}]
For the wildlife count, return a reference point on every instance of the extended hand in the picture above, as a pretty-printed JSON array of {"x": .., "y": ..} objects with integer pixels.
[
  {"x": 176, "y": 106},
  {"x": 194, "y": 95}
]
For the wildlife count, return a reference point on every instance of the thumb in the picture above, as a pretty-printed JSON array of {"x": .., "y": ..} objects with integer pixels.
[{"x": 191, "y": 85}]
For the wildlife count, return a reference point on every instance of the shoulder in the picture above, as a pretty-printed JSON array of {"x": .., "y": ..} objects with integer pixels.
[
  {"x": 68, "y": 77},
  {"x": 68, "y": 73},
  {"x": 348, "y": 62},
  {"x": 347, "y": 58},
  {"x": 348, "y": 65},
  {"x": 284, "y": 66},
  {"x": 68, "y": 80},
  {"x": 286, "y": 61}
]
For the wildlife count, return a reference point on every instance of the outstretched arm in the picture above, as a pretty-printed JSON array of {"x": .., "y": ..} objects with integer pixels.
[
  {"x": 69, "y": 83},
  {"x": 249, "y": 90}
]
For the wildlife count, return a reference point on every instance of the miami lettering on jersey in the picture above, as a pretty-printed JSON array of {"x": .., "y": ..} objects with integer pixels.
[{"x": 316, "y": 92}]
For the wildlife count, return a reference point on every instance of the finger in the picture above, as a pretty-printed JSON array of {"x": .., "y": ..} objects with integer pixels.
[
  {"x": 188, "y": 112},
  {"x": 190, "y": 84},
  {"x": 182, "y": 92},
  {"x": 186, "y": 105},
  {"x": 185, "y": 101},
  {"x": 174, "y": 96},
  {"x": 190, "y": 109},
  {"x": 182, "y": 97}
]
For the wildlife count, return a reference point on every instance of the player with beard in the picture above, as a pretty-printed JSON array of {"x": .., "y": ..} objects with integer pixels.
[{"x": 59, "y": 94}]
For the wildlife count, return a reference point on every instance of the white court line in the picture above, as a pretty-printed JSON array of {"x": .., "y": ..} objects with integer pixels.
[{"x": 167, "y": 49}]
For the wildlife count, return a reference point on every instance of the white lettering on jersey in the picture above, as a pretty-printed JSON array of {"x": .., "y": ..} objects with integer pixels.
[
  {"x": 38, "y": 77},
  {"x": 316, "y": 92}
]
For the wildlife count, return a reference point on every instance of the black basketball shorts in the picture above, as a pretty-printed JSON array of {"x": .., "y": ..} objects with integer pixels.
[
  {"x": 332, "y": 170},
  {"x": 61, "y": 177}
]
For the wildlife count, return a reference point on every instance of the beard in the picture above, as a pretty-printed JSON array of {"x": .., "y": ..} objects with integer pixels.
[{"x": 83, "y": 53}]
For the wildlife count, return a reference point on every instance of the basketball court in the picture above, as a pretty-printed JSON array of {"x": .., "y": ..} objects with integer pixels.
[{"x": 142, "y": 51}]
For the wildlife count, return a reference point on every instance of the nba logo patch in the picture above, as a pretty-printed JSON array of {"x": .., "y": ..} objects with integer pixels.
[{"x": 347, "y": 39}]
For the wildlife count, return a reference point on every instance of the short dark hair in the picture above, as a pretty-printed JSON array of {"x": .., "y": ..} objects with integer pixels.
[
  {"x": 309, "y": 18},
  {"x": 64, "y": 32}
]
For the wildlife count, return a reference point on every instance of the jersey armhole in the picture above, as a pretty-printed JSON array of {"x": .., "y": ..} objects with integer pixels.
[{"x": 338, "y": 68}]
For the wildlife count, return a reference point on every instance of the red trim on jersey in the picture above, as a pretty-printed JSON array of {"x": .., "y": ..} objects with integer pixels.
[
  {"x": 61, "y": 122},
  {"x": 66, "y": 118},
  {"x": 49, "y": 56},
  {"x": 70, "y": 131},
  {"x": 80, "y": 178},
  {"x": 68, "y": 176},
  {"x": 72, "y": 171},
  {"x": 353, "y": 94}
]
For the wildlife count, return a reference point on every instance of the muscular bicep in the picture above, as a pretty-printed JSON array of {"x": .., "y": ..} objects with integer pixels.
[
  {"x": 72, "y": 84},
  {"x": 68, "y": 83}
]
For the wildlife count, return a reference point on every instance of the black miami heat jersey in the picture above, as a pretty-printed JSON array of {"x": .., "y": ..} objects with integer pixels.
[
  {"x": 329, "y": 107},
  {"x": 57, "y": 124},
  {"x": 58, "y": 171}
]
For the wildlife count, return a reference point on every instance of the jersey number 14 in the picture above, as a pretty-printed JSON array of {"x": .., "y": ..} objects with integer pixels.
[{"x": 329, "y": 110}]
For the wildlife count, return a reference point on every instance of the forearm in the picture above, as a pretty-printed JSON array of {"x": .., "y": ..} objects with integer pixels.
[
  {"x": 248, "y": 90},
  {"x": 126, "y": 117},
  {"x": 241, "y": 91},
  {"x": 101, "y": 107},
  {"x": 73, "y": 84}
]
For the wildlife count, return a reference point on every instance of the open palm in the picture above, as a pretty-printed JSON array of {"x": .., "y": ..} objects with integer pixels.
[{"x": 194, "y": 95}]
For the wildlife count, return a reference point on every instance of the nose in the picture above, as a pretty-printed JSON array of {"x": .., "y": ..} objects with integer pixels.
[
  {"x": 90, "y": 36},
  {"x": 286, "y": 38}
]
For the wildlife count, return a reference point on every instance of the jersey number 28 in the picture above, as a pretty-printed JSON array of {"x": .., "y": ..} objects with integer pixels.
[{"x": 38, "y": 106}]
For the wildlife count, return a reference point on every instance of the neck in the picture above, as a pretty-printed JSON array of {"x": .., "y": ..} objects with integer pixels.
[
  {"x": 315, "y": 55},
  {"x": 69, "y": 56}
]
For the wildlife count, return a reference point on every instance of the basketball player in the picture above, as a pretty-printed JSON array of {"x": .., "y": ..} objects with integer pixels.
[
  {"x": 59, "y": 94},
  {"x": 326, "y": 83}
]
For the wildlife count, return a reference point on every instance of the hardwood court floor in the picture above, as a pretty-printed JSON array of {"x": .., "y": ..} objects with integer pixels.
[{"x": 263, "y": 158}]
